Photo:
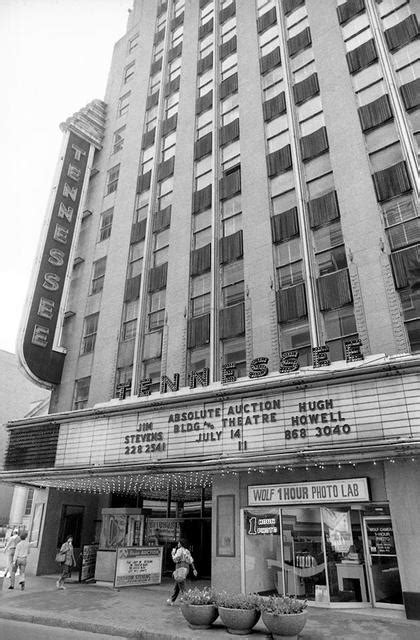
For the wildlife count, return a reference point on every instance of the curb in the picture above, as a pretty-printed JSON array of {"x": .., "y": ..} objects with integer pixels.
[{"x": 92, "y": 627}]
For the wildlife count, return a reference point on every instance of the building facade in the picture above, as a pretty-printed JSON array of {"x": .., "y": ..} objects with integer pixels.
[{"x": 227, "y": 306}]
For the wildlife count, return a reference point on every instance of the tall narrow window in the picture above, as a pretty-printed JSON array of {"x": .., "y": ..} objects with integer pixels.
[
  {"x": 81, "y": 393},
  {"x": 98, "y": 275},
  {"x": 106, "y": 224},
  {"x": 90, "y": 328},
  {"x": 118, "y": 139},
  {"x": 112, "y": 179}
]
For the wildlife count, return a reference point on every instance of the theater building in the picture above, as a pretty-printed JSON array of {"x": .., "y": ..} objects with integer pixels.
[{"x": 226, "y": 305}]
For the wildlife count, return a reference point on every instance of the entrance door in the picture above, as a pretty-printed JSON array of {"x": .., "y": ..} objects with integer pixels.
[{"x": 382, "y": 563}]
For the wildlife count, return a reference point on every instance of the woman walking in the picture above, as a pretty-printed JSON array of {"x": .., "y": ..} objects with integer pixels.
[
  {"x": 68, "y": 561},
  {"x": 20, "y": 559},
  {"x": 183, "y": 561}
]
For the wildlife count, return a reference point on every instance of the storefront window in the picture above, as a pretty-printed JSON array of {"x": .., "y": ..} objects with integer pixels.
[{"x": 313, "y": 552}]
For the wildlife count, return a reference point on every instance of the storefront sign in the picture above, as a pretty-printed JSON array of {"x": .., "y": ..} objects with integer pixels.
[
  {"x": 87, "y": 571},
  {"x": 262, "y": 525},
  {"x": 350, "y": 490},
  {"x": 381, "y": 538},
  {"x": 136, "y": 566},
  {"x": 38, "y": 354}
]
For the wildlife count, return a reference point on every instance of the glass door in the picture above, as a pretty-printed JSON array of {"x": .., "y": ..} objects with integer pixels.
[{"x": 384, "y": 575}]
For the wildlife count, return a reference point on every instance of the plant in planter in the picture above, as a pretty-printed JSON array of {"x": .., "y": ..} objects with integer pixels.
[
  {"x": 284, "y": 616},
  {"x": 238, "y": 611},
  {"x": 198, "y": 607}
]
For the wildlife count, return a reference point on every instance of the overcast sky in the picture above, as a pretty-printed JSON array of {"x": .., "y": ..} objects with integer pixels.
[{"x": 54, "y": 59}]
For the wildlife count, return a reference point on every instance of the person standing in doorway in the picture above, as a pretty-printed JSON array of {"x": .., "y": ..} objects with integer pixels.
[
  {"x": 68, "y": 562},
  {"x": 9, "y": 550},
  {"x": 19, "y": 561},
  {"x": 183, "y": 561}
]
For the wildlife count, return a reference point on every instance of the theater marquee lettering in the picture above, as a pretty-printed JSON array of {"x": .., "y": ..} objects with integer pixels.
[{"x": 286, "y": 421}]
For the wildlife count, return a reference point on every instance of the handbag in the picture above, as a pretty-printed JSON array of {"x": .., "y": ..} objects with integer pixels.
[
  {"x": 61, "y": 556},
  {"x": 180, "y": 574}
]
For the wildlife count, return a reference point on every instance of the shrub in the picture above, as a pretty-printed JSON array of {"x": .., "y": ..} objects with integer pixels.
[
  {"x": 236, "y": 600},
  {"x": 282, "y": 605},
  {"x": 199, "y": 596}
]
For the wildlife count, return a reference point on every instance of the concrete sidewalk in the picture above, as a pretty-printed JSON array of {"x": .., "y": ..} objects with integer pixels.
[{"x": 142, "y": 613}]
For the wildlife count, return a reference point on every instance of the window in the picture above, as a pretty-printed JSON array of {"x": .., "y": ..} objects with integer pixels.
[
  {"x": 154, "y": 83},
  {"x": 340, "y": 327},
  {"x": 151, "y": 118},
  {"x": 268, "y": 40},
  {"x": 206, "y": 46},
  {"x": 123, "y": 378},
  {"x": 199, "y": 358},
  {"x": 171, "y": 105},
  {"x": 123, "y": 104},
  {"x": 133, "y": 42},
  {"x": 331, "y": 260},
  {"x": 152, "y": 370},
  {"x": 296, "y": 336},
  {"x": 112, "y": 179},
  {"x": 202, "y": 238},
  {"x": 106, "y": 224},
  {"x": 174, "y": 69},
  {"x": 129, "y": 320},
  {"x": 290, "y": 274},
  {"x": 228, "y": 30},
  {"x": 263, "y": 6},
  {"x": 135, "y": 260},
  {"x": 207, "y": 13},
  {"x": 118, "y": 139},
  {"x": 129, "y": 71},
  {"x": 232, "y": 225},
  {"x": 200, "y": 305},
  {"x": 157, "y": 309},
  {"x": 158, "y": 50},
  {"x": 234, "y": 351},
  {"x": 229, "y": 66},
  {"x": 177, "y": 36},
  {"x": 81, "y": 393},
  {"x": 203, "y": 173},
  {"x": 98, "y": 276},
  {"x": 204, "y": 123},
  {"x": 90, "y": 327},
  {"x": 200, "y": 285}
]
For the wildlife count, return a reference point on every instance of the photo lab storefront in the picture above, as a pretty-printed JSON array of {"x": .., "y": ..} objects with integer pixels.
[{"x": 324, "y": 541}]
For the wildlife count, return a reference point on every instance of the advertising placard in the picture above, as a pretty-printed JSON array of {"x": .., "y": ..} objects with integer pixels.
[
  {"x": 262, "y": 525},
  {"x": 136, "y": 566},
  {"x": 87, "y": 571},
  {"x": 349, "y": 490}
]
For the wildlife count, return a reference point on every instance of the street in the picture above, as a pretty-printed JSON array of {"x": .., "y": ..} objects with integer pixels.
[{"x": 11, "y": 630}]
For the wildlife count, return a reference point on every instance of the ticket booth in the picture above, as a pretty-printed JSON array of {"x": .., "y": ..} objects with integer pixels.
[{"x": 121, "y": 527}]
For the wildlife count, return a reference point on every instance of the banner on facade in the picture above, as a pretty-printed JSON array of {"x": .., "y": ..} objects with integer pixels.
[
  {"x": 136, "y": 566},
  {"x": 349, "y": 490}
]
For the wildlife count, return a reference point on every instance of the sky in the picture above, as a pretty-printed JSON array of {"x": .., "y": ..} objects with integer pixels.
[{"x": 54, "y": 59}]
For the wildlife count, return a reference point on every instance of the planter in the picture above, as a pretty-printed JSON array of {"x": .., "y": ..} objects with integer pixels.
[
  {"x": 239, "y": 621},
  {"x": 199, "y": 616},
  {"x": 285, "y": 626}
]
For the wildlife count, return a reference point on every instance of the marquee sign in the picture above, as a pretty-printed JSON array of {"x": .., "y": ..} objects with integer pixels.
[
  {"x": 39, "y": 353},
  {"x": 327, "y": 417}
]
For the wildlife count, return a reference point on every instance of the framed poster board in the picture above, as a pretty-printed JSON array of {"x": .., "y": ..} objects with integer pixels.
[
  {"x": 225, "y": 526},
  {"x": 136, "y": 566},
  {"x": 87, "y": 570}
]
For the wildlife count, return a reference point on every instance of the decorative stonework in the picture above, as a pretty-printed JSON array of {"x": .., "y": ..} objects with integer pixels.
[
  {"x": 274, "y": 332},
  {"x": 402, "y": 344},
  {"x": 249, "y": 347},
  {"x": 88, "y": 123},
  {"x": 359, "y": 308}
]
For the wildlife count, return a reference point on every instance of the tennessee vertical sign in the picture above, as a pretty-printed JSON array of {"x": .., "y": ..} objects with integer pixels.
[{"x": 39, "y": 354}]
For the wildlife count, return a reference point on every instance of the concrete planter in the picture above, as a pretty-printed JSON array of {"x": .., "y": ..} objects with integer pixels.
[
  {"x": 239, "y": 621},
  {"x": 199, "y": 616},
  {"x": 285, "y": 626}
]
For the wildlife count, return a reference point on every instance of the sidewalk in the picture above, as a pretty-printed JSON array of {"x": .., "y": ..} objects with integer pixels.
[{"x": 142, "y": 613}]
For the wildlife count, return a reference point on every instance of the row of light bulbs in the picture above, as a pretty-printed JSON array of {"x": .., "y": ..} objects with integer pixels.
[{"x": 186, "y": 482}]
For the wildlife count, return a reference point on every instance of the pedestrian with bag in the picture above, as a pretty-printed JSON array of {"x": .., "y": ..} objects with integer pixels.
[
  {"x": 19, "y": 561},
  {"x": 9, "y": 550},
  {"x": 183, "y": 561},
  {"x": 66, "y": 558}
]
